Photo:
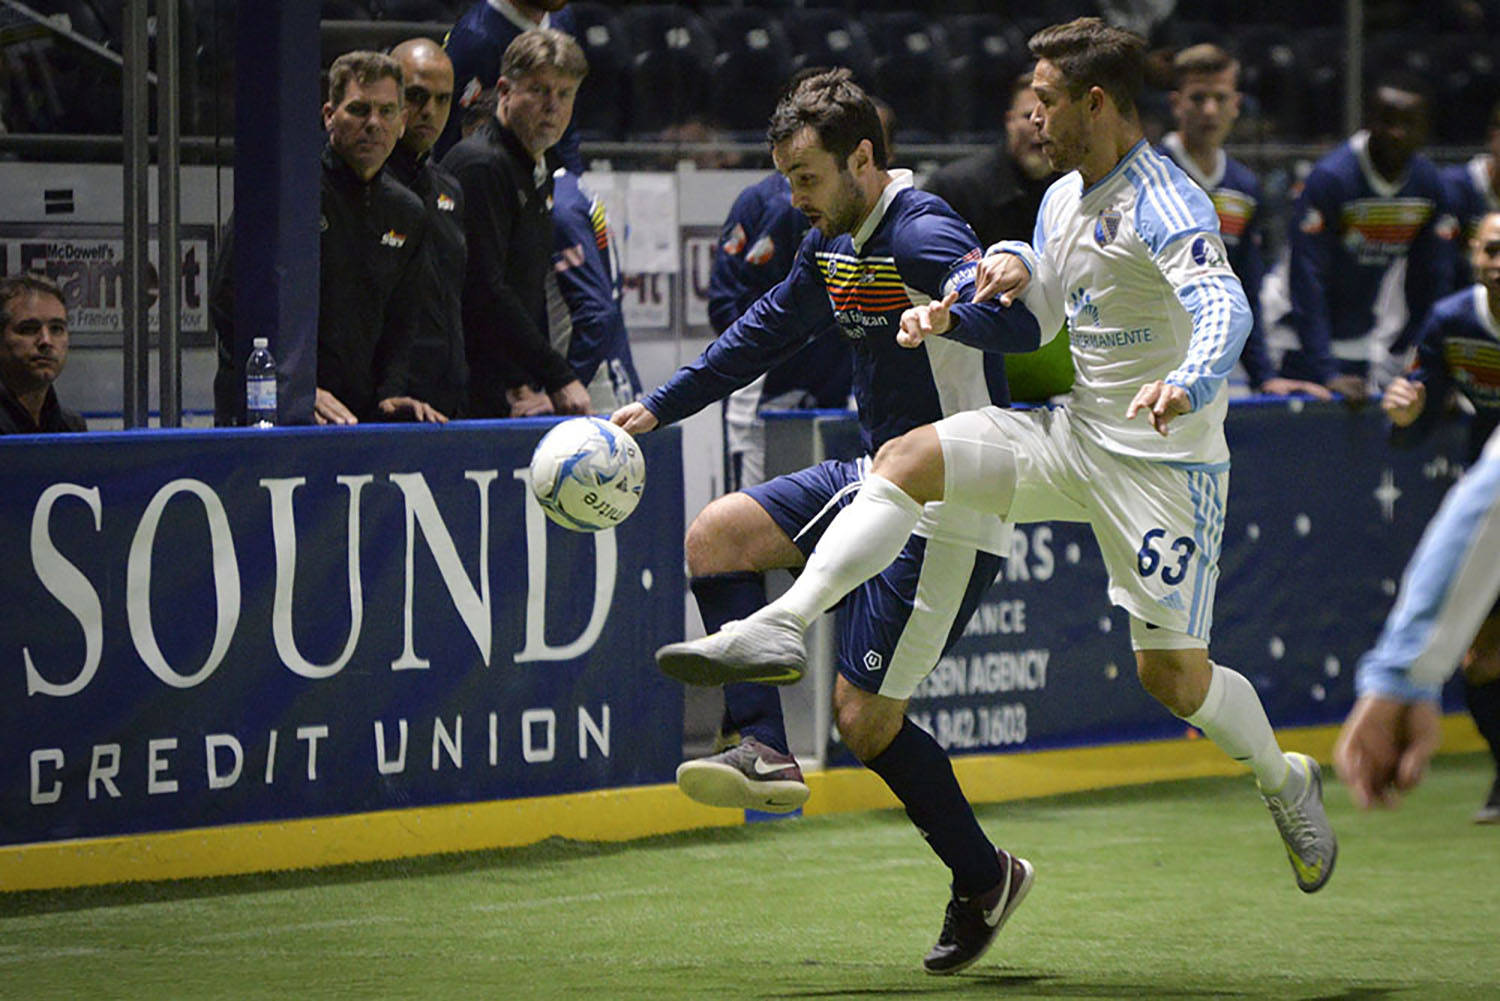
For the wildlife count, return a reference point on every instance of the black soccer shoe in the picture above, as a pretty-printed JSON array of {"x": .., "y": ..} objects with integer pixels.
[{"x": 969, "y": 926}]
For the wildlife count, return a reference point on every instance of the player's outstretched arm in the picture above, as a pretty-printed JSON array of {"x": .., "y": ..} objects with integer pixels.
[
  {"x": 1002, "y": 274},
  {"x": 635, "y": 418},
  {"x": 927, "y": 320},
  {"x": 1384, "y": 748}
]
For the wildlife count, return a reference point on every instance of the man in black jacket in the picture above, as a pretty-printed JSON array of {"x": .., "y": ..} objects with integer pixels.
[
  {"x": 997, "y": 192},
  {"x": 439, "y": 370},
  {"x": 33, "y": 351},
  {"x": 372, "y": 234},
  {"x": 513, "y": 369}
]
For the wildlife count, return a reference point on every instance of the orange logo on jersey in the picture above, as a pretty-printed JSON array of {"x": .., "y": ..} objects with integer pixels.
[
  {"x": 735, "y": 241},
  {"x": 762, "y": 252}
]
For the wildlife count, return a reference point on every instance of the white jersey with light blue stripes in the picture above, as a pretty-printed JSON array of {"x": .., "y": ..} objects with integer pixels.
[{"x": 1136, "y": 265}]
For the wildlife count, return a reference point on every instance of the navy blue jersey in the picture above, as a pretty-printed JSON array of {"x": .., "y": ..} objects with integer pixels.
[
  {"x": 756, "y": 249},
  {"x": 589, "y": 282},
  {"x": 1348, "y": 228},
  {"x": 1460, "y": 350},
  {"x": 912, "y": 248},
  {"x": 1235, "y": 191},
  {"x": 1470, "y": 194},
  {"x": 475, "y": 45}
]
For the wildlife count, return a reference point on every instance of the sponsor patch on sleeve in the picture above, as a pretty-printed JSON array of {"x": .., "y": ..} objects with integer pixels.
[{"x": 960, "y": 276}]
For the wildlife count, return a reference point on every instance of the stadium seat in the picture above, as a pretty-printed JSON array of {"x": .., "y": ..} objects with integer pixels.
[
  {"x": 986, "y": 53},
  {"x": 347, "y": 10},
  {"x": 1271, "y": 73},
  {"x": 439, "y": 11},
  {"x": 752, "y": 66},
  {"x": 672, "y": 69},
  {"x": 603, "y": 106},
  {"x": 831, "y": 38},
  {"x": 912, "y": 69}
]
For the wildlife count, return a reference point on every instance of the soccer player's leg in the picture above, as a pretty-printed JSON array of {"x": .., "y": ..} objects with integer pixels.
[
  {"x": 888, "y": 643},
  {"x": 1481, "y": 667},
  {"x": 729, "y": 546},
  {"x": 1159, "y": 529}
]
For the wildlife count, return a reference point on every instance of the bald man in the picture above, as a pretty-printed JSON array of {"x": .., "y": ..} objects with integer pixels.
[{"x": 439, "y": 368}]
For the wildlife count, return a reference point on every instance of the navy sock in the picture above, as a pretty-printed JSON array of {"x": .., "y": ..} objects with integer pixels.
[
  {"x": 920, "y": 774},
  {"x": 752, "y": 709},
  {"x": 1484, "y": 706}
]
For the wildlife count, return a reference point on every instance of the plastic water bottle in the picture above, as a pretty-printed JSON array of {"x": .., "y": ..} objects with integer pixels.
[{"x": 260, "y": 386}]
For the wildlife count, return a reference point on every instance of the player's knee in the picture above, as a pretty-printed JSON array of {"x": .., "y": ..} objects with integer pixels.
[
  {"x": 914, "y": 462},
  {"x": 1180, "y": 690},
  {"x": 866, "y": 729},
  {"x": 708, "y": 545}
]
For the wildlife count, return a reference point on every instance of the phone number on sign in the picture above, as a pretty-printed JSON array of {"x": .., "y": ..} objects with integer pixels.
[{"x": 970, "y": 727}]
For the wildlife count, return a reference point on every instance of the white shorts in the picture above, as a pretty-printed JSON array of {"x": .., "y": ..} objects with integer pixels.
[{"x": 1159, "y": 525}]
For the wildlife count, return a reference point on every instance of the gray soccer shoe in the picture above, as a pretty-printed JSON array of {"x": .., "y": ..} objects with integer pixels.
[
  {"x": 1298, "y": 809},
  {"x": 765, "y": 647},
  {"x": 748, "y": 776}
]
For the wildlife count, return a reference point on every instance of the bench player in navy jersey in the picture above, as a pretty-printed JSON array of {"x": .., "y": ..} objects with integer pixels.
[
  {"x": 877, "y": 246},
  {"x": 1205, "y": 103},
  {"x": 1458, "y": 352},
  {"x": 1473, "y": 189},
  {"x": 1127, "y": 249},
  {"x": 1372, "y": 204}
]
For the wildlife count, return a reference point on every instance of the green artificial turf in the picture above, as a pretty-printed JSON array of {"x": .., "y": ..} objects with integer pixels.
[{"x": 1169, "y": 891}]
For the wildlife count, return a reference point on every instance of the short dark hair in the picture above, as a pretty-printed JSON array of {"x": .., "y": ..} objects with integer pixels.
[
  {"x": 837, "y": 110},
  {"x": 539, "y": 48},
  {"x": 1090, "y": 53},
  {"x": 13, "y": 286},
  {"x": 363, "y": 67},
  {"x": 1205, "y": 59}
]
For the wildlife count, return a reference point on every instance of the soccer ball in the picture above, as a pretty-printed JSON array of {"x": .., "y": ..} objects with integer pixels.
[{"x": 587, "y": 474}]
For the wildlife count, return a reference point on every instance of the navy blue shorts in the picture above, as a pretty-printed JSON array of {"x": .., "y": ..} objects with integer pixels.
[{"x": 887, "y": 641}]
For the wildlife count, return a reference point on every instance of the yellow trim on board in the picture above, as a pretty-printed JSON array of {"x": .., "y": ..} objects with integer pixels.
[{"x": 603, "y": 815}]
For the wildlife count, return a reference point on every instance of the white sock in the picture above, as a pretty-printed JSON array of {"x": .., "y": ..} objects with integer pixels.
[
  {"x": 1232, "y": 717},
  {"x": 862, "y": 540}
]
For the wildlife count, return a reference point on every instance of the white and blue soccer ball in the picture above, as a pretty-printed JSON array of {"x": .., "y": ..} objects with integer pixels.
[{"x": 588, "y": 474}]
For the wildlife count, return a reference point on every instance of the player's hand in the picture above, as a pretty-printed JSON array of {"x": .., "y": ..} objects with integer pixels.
[
  {"x": 1162, "y": 401},
  {"x": 572, "y": 399},
  {"x": 1404, "y": 401},
  {"x": 634, "y": 418},
  {"x": 1288, "y": 387},
  {"x": 928, "y": 320},
  {"x": 329, "y": 409},
  {"x": 411, "y": 408},
  {"x": 1351, "y": 387},
  {"x": 527, "y": 402},
  {"x": 1384, "y": 748},
  {"x": 1004, "y": 275}
]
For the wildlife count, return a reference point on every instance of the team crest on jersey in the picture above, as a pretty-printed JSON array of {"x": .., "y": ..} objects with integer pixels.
[
  {"x": 1447, "y": 227},
  {"x": 735, "y": 241},
  {"x": 763, "y": 250},
  {"x": 1205, "y": 254},
  {"x": 1106, "y": 227},
  {"x": 1312, "y": 222},
  {"x": 472, "y": 90},
  {"x": 445, "y": 203}
]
